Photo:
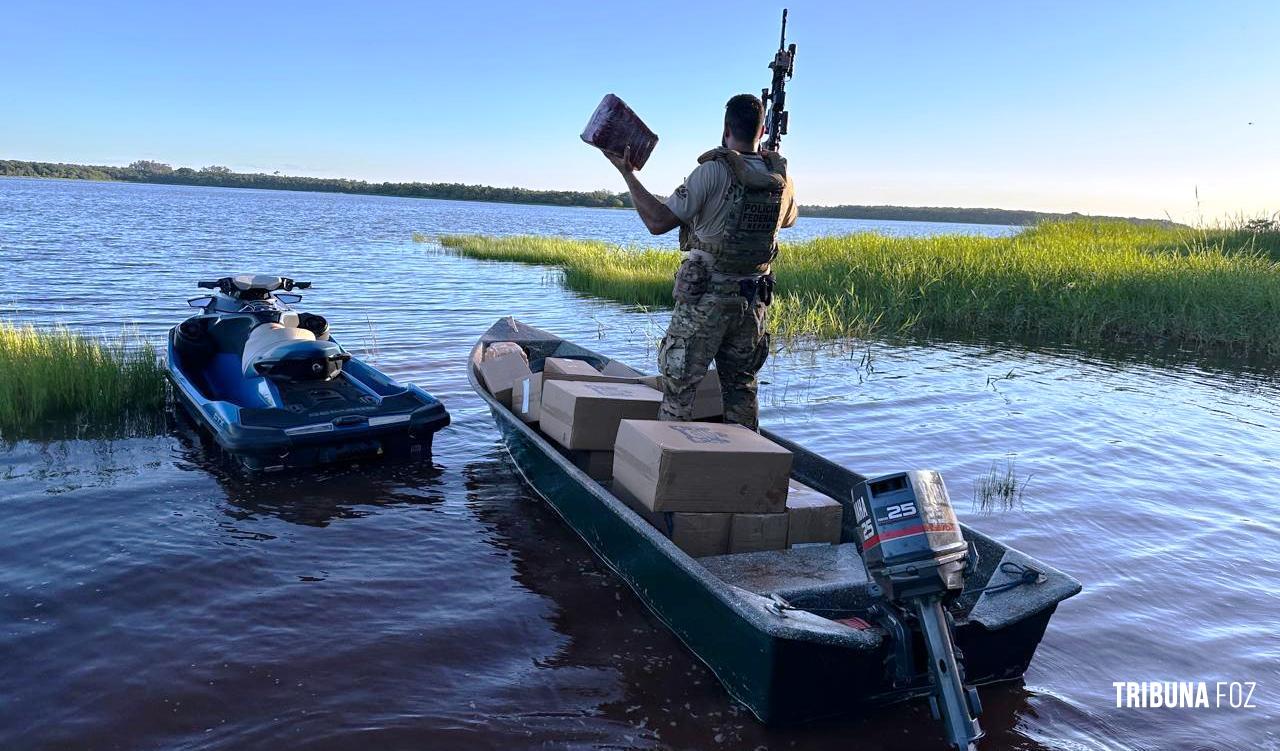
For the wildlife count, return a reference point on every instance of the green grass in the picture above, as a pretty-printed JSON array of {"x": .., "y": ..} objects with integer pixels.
[
  {"x": 1078, "y": 283},
  {"x": 53, "y": 373}
]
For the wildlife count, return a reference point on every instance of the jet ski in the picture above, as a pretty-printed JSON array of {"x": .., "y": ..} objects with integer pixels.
[{"x": 276, "y": 390}]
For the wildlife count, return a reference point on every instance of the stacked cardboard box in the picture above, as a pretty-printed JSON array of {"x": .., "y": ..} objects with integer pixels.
[
  {"x": 566, "y": 369},
  {"x": 697, "y": 534},
  {"x": 526, "y": 397},
  {"x": 585, "y": 414},
  {"x": 707, "y": 401},
  {"x": 754, "y": 532},
  {"x": 615, "y": 368},
  {"x": 597, "y": 464},
  {"x": 732, "y": 475},
  {"x": 711, "y": 488},
  {"x": 526, "y": 394},
  {"x": 499, "y": 374},
  {"x": 497, "y": 349},
  {"x": 812, "y": 517}
]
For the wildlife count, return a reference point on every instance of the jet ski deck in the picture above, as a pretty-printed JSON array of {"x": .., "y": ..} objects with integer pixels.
[{"x": 274, "y": 389}]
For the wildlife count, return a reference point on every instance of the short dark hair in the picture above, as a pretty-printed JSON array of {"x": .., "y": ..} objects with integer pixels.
[{"x": 744, "y": 115}]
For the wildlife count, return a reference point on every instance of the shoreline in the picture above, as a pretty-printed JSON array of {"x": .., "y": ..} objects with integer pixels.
[
  {"x": 1077, "y": 284},
  {"x": 221, "y": 177}
]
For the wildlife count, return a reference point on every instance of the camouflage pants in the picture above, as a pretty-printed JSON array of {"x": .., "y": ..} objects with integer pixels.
[{"x": 728, "y": 329}]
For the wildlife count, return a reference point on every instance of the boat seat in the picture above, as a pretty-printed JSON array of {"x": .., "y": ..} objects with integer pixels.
[
  {"x": 268, "y": 341},
  {"x": 793, "y": 573}
]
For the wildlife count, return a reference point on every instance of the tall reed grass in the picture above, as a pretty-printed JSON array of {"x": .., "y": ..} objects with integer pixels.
[
  {"x": 53, "y": 373},
  {"x": 1075, "y": 283}
]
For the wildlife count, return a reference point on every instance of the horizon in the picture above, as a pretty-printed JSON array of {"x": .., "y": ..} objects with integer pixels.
[
  {"x": 1154, "y": 113},
  {"x": 179, "y": 167}
]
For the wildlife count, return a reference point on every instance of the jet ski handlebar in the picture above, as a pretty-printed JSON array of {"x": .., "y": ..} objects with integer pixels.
[{"x": 230, "y": 285}]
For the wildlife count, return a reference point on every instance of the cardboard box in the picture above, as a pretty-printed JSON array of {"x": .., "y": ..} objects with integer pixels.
[
  {"x": 813, "y": 517},
  {"x": 749, "y": 533},
  {"x": 498, "y": 349},
  {"x": 708, "y": 403},
  {"x": 567, "y": 369},
  {"x": 526, "y": 397},
  {"x": 597, "y": 464},
  {"x": 695, "y": 534},
  {"x": 568, "y": 366},
  {"x": 585, "y": 415},
  {"x": 700, "y": 466},
  {"x": 500, "y": 374},
  {"x": 615, "y": 368}
]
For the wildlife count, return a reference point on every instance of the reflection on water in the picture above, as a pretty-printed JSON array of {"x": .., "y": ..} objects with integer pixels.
[{"x": 151, "y": 598}]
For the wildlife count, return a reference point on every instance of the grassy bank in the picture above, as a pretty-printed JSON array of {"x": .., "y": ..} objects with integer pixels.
[
  {"x": 54, "y": 373},
  {"x": 1067, "y": 283}
]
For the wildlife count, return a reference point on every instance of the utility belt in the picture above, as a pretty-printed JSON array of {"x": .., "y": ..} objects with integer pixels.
[
  {"x": 695, "y": 278},
  {"x": 755, "y": 288}
]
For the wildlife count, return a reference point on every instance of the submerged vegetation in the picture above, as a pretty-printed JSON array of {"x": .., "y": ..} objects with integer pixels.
[
  {"x": 1080, "y": 282},
  {"x": 1000, "y": 489},
  {"x": 55, "y": 373}
]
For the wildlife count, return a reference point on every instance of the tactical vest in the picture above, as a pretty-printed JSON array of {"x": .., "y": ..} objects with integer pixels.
[{"x": 756, "y": 204}]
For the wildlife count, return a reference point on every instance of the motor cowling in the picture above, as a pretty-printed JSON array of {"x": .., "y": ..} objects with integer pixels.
[{"x": 909, "y": 535}]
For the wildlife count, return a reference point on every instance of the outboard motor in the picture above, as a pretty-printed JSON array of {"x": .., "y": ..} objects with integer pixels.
[{"x": 914, "y": 551}]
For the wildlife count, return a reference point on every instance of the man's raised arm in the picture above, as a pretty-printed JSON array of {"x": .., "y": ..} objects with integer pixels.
[{"x": 656, "y": 216}]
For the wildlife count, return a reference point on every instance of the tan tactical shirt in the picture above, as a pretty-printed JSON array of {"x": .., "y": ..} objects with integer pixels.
[{"x": 700, "y": 201}]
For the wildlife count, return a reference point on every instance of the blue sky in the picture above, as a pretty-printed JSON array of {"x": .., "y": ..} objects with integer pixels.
[{"x": 1106, "y": 107}]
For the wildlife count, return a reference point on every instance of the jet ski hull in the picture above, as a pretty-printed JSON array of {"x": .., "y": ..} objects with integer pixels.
[{"x": 266, "y": 425}]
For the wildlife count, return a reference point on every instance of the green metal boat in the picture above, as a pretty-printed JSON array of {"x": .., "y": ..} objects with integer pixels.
[{"x": 789, "y": 633}]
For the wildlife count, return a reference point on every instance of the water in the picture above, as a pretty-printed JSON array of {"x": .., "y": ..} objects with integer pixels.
[{"x": 150, "y": 600}]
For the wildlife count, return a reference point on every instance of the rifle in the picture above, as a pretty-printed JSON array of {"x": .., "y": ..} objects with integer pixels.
[{"x": 775, "y": 97}]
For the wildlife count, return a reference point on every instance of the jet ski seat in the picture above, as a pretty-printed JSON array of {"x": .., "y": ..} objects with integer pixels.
[{"x": 271, "y": 344}]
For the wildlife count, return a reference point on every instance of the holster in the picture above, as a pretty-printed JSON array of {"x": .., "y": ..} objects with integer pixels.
[{"x": 757, "y": 290}]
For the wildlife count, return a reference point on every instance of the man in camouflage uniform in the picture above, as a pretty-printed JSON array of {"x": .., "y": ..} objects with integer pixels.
[{"x": 729, "y": 211}]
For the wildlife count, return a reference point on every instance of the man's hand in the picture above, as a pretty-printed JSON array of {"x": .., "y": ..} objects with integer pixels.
[
  {"x": 621, "y": 161},
  {"x": 655, "y": 215}
]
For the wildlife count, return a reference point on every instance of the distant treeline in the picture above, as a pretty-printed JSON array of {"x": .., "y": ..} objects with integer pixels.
[
  {"x": 145, "y": 171},
  {"x": 222, "y": 177},
  {"x": 957, "y": 215}
]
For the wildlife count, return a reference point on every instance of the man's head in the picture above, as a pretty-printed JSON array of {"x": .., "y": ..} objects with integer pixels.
[{"x": 743, "y": 121}]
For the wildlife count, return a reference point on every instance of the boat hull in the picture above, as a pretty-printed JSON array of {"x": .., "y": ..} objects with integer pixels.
[
  {"x": 785, "y": 666},
  {"x": 782, "y": 680}
]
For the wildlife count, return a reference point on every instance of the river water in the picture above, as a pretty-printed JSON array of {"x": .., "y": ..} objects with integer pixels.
[{"x": 149, "y": 599}]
